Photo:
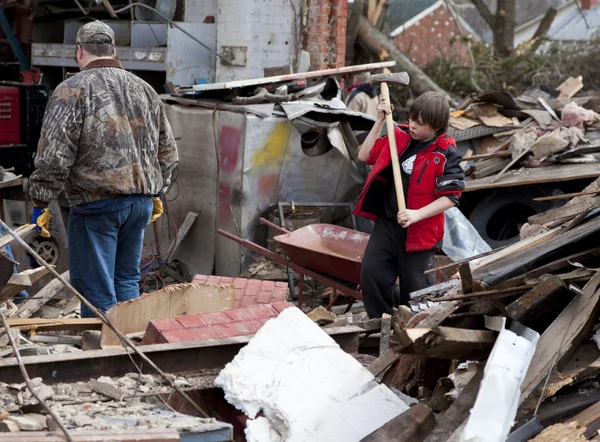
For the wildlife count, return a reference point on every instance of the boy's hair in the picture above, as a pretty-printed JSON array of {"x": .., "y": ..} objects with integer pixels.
[{"x": 433, "y": 109}]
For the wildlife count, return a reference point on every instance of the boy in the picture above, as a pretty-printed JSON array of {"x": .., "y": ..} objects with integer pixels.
[{"x": 403, "y": 243}]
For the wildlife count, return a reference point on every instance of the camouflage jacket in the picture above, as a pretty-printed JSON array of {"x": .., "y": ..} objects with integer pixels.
[{"x": 105, "y": 133}]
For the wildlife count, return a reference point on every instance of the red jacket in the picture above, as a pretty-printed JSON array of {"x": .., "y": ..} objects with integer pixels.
[{"x": 436, "y": 173}]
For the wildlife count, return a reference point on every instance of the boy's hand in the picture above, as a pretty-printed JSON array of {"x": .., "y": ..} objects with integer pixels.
[
  {"x": 408, "y": 217},
  {"x": 384, "y": 108}
]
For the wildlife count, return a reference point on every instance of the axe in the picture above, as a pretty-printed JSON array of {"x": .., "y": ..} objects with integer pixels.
[{"x": 383, "y": 80}]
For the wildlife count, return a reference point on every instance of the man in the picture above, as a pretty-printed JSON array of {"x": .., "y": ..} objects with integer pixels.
[
  {"x": 106, "y": 141},
  {"x": 363, "y": 96}
]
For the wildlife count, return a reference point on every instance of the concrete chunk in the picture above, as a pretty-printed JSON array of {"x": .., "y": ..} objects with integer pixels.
[{"x": 29, "y": 422}]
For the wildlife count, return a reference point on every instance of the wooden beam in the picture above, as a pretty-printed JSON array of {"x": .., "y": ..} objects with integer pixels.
[
  {"x": 570, "y": 87},
  {"x": 564, "y": 334},
  {"x": 171, "y": 358},
  {"x": 40, "y": 324},
  {"x": 446, "y": 343},
  {"x": 32, "y": 305},
  {"x": 563, "y": 212},
  {"x": 21, "y": 231},
  {"x": 21, "y": 281},
  {"x": 160, "y": 435},
  {"x": 458, "y": 412},
  {"x": 466, "y": 278},
  {"x": 567, "y": 195},
  {"x": 537, "y": 308},
  {"x": 483, "y": 294},
  {"x": 414, "y": 425},
  {"x": 526, "y": 176}
]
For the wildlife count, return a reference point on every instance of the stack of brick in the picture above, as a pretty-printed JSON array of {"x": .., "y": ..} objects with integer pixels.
[
  {"x": 249, "y": 291},
  {"x": 325, "y": 36},
  {"x": 243, "y": 321}
]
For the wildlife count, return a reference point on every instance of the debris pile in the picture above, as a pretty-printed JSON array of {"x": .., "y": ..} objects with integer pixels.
[{"x": 543, "y": 127}]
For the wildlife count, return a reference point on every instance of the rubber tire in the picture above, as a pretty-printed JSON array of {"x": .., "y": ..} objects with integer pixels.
[{"x": 518, "y": 205}]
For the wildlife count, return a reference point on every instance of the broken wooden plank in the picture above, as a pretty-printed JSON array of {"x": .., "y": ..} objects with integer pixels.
[
  {"x": 41, "y": 324},
  {"x": 22, "y": 281},
  {"x": 571, "y": 432},
  {"x": 500, "y": 269},
  {"x": 587, "y": 416},
  {"x": 564, "y": 334},
  {"x": 551, "y": 267},
  {"x": 21, "y": 231},
  {"x": 565, "y": 211},
  {"x": 528, "y": 176},
  {"x": 446, "y": 343},
  {"x": 466, "y": 278},
  {"x": 32, "y": 305},
  {"x": 414, "y": 425},
  {"x": 490, "y": 168},
  {"x": 485, "y": 156},
  {"x": 133, "y": 316},
  {"x": 483, "y": 294},
  {"x": 570, "y": 87},
  {"x": 567, "y": 195},
  {"x": 462, "y": 261},
  {"x": 537, "y": 308},
  {"x": 386, "y": 329},
  {"x": 458, "y": 412}
]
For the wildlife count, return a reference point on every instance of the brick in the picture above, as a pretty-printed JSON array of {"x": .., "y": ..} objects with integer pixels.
[
  {"x": 251, "y": 313},
  {"x": 264, "y": 297},
  {"x": 252, "y": 291},
  {"x": 248, "y": 300},
  {"x": 240, "y": 283},
  {"x": 226, "y": 280},
  {"x": 281, "y": 306},
  {"x": 268, "y": 285},
  {"x": 158, "y": 326},
  {"x": 254, "y": 282},
  {"x": 213, "y": 280},
  {"x": 190, "y": 334},
  {"x": 280, "y": 284},
  {"x": 199, "y": 279},
  {"x": 202, "y": 319},
  {"x": 280, "y": 293}
]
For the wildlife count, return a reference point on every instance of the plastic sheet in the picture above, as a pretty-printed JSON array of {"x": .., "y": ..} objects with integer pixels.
[{"x": 461, "y": 240}]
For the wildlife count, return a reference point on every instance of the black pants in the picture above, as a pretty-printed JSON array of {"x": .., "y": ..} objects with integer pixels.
[{"x": 386, "y": 259}]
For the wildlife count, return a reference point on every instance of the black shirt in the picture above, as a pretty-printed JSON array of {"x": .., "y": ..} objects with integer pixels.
[{"x": 407, "y": 160}]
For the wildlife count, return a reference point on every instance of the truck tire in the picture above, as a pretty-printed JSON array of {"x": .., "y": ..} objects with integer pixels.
[{"x": 499, "y": 217}]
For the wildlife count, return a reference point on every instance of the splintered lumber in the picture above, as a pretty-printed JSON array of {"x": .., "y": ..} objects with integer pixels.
[
  {"x": 174, "y": 300},
  {"x": 530, "y": 250},
  {"x": 32, "y": 305},
  {"x": 430, "y": 318},
  {"x": 446, "y": 343},
  {"x": 21, "y": 281},
  {"x": 489, "y": 167},
  {"x": 571, "y": 432},
  {"x": 567, "y": 195},
  {"x": 41, "y": 324},
  {"x": 414, "y": 425},
  {"x": 566, "y": 211},
  {"x": 539, "y": 307},
  {"x": 562, "y": 336},
  {"x": 570, "y": 87},
  {"x": 529, "y": 176},
  {"x": 551, "y": 267},
  {"x": 21, "y": 231},
  {"x": 458, "y": 412}
]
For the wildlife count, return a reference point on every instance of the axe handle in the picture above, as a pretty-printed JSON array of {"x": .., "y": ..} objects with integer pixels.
[{"x": 393, "y": 151}]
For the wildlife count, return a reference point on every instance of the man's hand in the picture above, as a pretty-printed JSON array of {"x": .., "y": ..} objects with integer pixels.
[
  {"x": 408, "y": 217},
  {"x": 41, "y": 218},
  {"x": 157, "y": 208}
]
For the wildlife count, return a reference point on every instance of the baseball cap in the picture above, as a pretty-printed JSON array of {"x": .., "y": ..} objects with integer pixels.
[{"x": 95, "y": 32}]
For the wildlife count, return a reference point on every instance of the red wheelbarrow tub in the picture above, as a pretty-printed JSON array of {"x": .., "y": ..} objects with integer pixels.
[{"x": 326, "y": 248}]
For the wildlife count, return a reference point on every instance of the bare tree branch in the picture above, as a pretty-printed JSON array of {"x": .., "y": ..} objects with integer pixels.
[{"x": 485, "y": 12}]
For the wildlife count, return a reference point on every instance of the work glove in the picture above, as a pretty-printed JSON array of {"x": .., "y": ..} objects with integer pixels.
[
  {"x": 157, "y": 208},
  {"x": 41, "y": 218}
]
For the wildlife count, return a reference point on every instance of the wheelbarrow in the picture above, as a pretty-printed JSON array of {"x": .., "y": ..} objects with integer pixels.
[{"x": 327, "y": 253}]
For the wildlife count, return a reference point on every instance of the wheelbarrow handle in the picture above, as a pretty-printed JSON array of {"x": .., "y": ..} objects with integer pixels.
[{"x": 275, "y": 227}]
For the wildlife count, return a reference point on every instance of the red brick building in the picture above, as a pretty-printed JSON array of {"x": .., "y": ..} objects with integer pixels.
[{"x": 433, "y": 33}]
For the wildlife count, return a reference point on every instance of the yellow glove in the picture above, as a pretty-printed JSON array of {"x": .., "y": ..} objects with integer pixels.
[
  {"x": 41, "y": 218},
  {"x": 157, "y": 208}
]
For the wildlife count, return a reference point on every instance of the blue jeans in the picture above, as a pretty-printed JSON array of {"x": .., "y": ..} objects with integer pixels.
[{"x": 105, "y": 250}]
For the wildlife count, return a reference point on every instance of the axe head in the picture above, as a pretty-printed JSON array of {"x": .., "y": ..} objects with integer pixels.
[{"x": 392, "y": 78}]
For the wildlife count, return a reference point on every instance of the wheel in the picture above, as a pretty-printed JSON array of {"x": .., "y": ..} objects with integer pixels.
[
  {"x": 499, "y": 217},
  {"x": 47, "y": 249}
]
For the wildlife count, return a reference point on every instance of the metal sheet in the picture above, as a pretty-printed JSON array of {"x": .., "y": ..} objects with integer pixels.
[
  {"x": 187, "y": 61},
  {"x": 147, "y": 34},
  {"x": 196, "y": 188}
]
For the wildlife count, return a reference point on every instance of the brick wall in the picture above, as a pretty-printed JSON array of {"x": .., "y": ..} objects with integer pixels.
[
  {"x": 269, "y": 29},
  {"x": 435, "y": 35},
  {"x": 325, "y": 33}
]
